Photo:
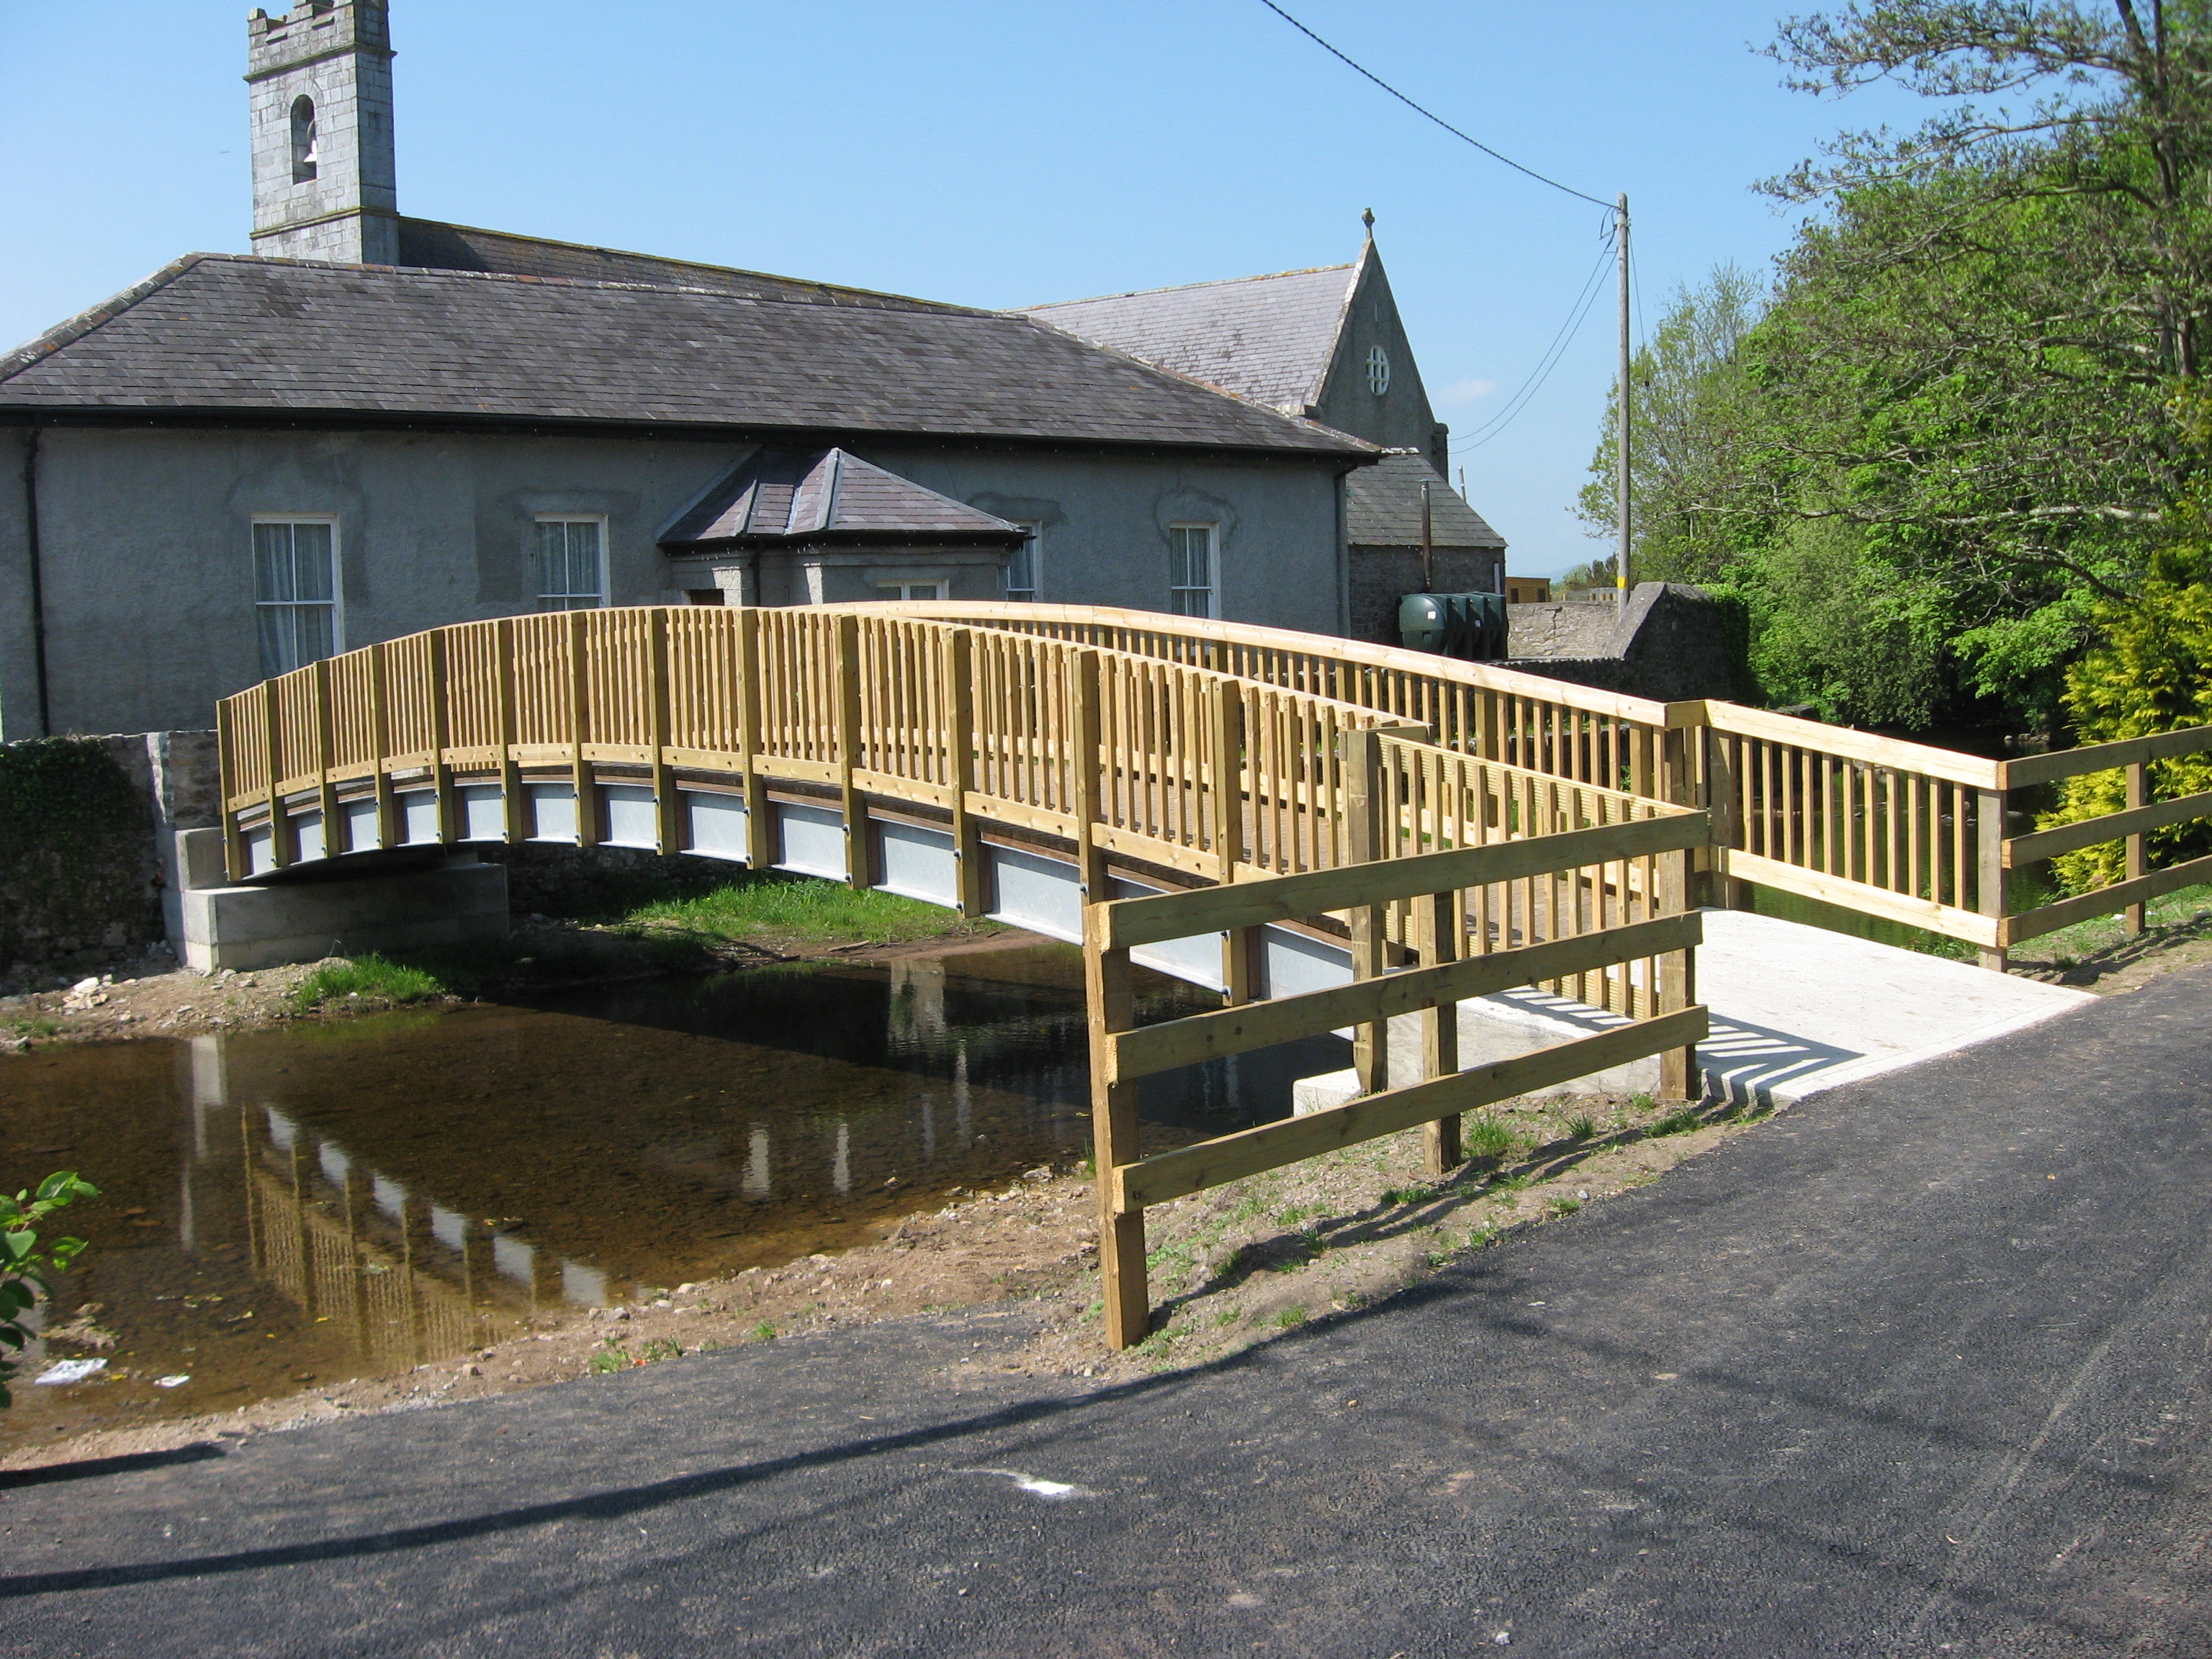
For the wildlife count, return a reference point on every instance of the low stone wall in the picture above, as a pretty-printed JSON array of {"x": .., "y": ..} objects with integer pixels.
[
  {"x": 82, "y": 822},
  {"x": 1675, "y": 643}
]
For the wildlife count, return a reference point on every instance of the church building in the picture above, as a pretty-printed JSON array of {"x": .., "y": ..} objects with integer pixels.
[{"x": 375, "y": 424}]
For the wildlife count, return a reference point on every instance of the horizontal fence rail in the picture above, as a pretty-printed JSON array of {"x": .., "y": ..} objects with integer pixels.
[{"x": 1602, "y": 903}]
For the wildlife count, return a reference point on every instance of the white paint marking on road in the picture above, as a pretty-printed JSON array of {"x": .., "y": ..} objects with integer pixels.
[{"x": 1052, "y": 1492}]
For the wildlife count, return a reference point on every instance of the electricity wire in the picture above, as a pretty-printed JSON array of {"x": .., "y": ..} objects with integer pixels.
[
  {"x": 1577, "y": 314},
  {"x": 1495, "y": 155}
]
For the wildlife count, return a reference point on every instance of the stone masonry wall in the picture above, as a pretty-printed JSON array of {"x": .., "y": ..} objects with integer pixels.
[{"x": 1381, "y": 576}]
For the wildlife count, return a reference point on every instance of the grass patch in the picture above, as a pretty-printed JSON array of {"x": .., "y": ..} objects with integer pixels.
[
  {"x": 1675, "y": 1123},
  {"x": 33, "y": 1028},
  {"x": 370, "y": 977},
  {"x": 1581, "y": 1127},
  {"x": 1486, "y": 1137},
  {"x": 1563, "y": 1206},
  {"x": 801, "y": 910}
]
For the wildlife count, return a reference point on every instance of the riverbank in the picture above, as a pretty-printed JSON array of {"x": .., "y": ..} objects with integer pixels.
[
  {"x": 745, "y": 922},
  {"x": 1233, "y": 1267}
]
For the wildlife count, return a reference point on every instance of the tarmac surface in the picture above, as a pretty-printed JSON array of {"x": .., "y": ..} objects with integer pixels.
[{"x": 1919, "y": 1367}]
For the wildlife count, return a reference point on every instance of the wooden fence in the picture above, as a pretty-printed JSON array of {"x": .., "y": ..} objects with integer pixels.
[{"x": 1589, "y": 898}]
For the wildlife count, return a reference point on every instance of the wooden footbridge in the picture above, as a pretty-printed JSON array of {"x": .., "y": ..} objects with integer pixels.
[{"x": 1330, "y": 834}]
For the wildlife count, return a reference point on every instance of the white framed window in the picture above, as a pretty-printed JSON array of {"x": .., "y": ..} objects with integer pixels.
[
  {"x": 1190, "y": 570},
  {"x": 911, "y": 590},
  {"x": 295, "y": 592},
  {"x": 572, "y": 563},
  {"x": 1022, "y": 564}
]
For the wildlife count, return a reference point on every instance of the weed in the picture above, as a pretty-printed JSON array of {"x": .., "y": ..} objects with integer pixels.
[
  {"x": 369, "y": 976},
  {"x": 1293, "y": 1314},
  {"x": 660, "y": 1348},
  {"x": 1581, "y": 1127},
  {"x": 1486, "y": 1137},
  {"x": 34, "y": 1027},
  {"x": 712, "y": 1344},
  {"x": 1563, "y": 1206},
  {"x": 1509, "y": 1183},
  {"x": 1227, "y": 1316},
  {"x": 1643, "y": 1103},
  {"x": 1677, "y": 1122},
  {"x": 763, "y": 1332},
  {"x": 1395, "y": 1195},
  {"x": 610, "y": 1358},
  {"x": 1297, "y": 1212},
  {"x": 1156, "y": 1346}
]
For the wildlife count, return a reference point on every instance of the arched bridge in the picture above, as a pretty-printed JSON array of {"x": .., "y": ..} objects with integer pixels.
[{"x": 1009, "y": 760}]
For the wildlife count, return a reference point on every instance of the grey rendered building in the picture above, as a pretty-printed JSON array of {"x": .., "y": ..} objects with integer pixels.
[{"x": 377, "y": 424}]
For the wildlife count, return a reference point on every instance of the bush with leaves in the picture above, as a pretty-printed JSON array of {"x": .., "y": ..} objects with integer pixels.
[{"x": 27, "y": 1270}]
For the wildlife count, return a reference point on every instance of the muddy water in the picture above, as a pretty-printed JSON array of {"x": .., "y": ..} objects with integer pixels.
[{"x": 287, "y": 1208}]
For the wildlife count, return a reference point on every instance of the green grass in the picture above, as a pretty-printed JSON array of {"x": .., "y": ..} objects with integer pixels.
[
  {"x": 1563, "y": 1206},
  {"x": 370, "y": 976},
  {"x": 763, "y": 1332},
  {"x": 1675, "y": 1123},
  {"x": 1486, "y": 1137},
  {"x": 2066, "y": 947},
  {"x": 1581, "y": 1127},
  {"x": 32, "y": 1028},
  {"x": 800, "y": 909}
]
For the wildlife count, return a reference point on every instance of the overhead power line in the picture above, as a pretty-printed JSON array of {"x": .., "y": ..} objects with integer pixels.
[
  {"x": 1576, "y": 314},
  {"x": 1430, "y": 114}
]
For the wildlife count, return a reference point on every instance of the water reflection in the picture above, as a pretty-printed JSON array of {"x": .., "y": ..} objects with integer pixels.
[{"x": 314, "y": 1203}]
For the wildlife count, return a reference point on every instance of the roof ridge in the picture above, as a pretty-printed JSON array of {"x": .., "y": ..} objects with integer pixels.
[
  {"x": 1184, "y": 287},
  {"x": 70, "y": 330},
  {"x": 666, "y": 259}
]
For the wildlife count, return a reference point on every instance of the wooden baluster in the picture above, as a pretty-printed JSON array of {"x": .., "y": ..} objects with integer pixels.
[
  {"x": 667, "y": 806},
  {"x": 967, "y": 843},
  {"x": 582, "y": 779},
  {"x": 380, "y": 720},
  {"x": 2138, "y": 795},
  {"x": 1679, "y": 1078},
  {"x": 326, "y": 792},
  {"x": 857, "y": 842},
  {"x": 510, "y": 771},
  {"x": 1225, "y": 826},
  {"x": 1093, "y": 776},
  {"x": 1110, "y": 994},
  {"x": 281, "y": 846},
  {"x": 751, "y": 690}
]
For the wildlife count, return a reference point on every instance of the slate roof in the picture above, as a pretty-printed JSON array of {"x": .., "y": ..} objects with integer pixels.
[
  {"x": 786, "y": 494},
  {"x": 437, "y": 247},
  {"x": 1266, "y": 338},
  {"x": 1383, "y": 507},
  {"x": 218, "y": 333}
]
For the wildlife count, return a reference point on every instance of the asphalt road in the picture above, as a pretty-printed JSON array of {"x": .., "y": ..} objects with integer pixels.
[{"x": 1919, "y": 1368}]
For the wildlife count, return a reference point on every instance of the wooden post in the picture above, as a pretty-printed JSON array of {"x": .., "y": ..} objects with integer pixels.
[
  {"x": 226, "y": 767},
  {"x": 2138, "y": 795},
  {"x": 1680, "y": 1077},
  {"x": 1363, "y": 824},
  {"x": 280, "y": 822},
  {"x": 1989, "y": 830},
  {"x": 760, "y": 851},
  {"x": 510, "y": 772},
  {"x": 1111, "y": 998},
  {"x": 858, "y": 862},
  {"x": 441, "y": 775},
  {"x": 1437, "y": 923},
  {"x": 966, "y": 844},
  {"x": 1225, "y": 816},
  {"x": 326, "y": 792},
  {"x": 1091, "y": 778},
  {"x": 583, "y": 778},
  {"x": 379, "y": 717},
  {"x": 667, "y": 809}
]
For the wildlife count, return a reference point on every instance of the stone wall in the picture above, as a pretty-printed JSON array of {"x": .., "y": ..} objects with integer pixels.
[
  {"x": 1676, "y": 643},
  {"x": 83, "y": 825}
]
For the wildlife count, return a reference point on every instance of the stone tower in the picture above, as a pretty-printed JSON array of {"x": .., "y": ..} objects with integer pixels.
[{"x": 319, "y": 84}]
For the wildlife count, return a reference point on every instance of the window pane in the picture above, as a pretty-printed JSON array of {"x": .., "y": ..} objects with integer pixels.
[
  {"x": 311, "y": 561},
  {"x": 272, "y": 561},
  {"x": 276, "y": 629}
]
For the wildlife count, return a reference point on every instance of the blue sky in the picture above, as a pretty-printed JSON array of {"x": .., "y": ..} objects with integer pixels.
[{"x": 992, "y": 154}]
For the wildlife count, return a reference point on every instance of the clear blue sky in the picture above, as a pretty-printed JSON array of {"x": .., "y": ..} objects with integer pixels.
[{"x": 992, "y": 154}]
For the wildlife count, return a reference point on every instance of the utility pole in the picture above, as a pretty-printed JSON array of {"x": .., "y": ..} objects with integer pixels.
[{"x": 1622, "y": 441}]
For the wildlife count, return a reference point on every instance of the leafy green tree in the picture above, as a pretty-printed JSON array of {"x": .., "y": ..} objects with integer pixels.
[{"x": 26, "y": 1270}]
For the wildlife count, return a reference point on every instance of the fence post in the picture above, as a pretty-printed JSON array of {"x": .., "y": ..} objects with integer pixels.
[
  {"x": 1225, "y": 829},
  {"x": 326, "y": 792},
  {"x": 1363, "y": 824},
  {"x": 280, "y": 822},
  {"x": 226, "y": 771},
  {"x": 1092, "y": 779},
  {"x": 966, "y": 844},
  {"x": 581, "y": 775},
  {"x": 1111, "y": 997},
  {"x": 760, "y": 852},
  {"x": 857, "y": 872},
  {"x": 2138, "y": 795},
  {"x": 379, "y": 718},
  {"x": 667, "y": 824},
  {"x": 1678, "y": 1075},
  {"x": 1990, "y": 888},
  {"x": 1436, "y": 924},
  {"x": 510, "y": 774}
]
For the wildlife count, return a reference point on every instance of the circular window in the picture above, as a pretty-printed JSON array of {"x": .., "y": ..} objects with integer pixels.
[{"x": 1378, "y": 370}]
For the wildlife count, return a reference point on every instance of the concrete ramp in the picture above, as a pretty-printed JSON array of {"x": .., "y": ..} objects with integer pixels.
[{"x": 1795, "y": 1010}]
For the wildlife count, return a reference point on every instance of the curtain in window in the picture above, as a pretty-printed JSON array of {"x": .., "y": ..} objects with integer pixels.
[
  {"x": 1190, "y": 570},
  {"x": 295, "y": 595},
  {"x": 569, "y": 565},
  {"x": 1021, "y": 568}
]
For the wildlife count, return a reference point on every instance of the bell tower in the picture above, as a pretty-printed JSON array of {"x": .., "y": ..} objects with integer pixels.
[{"x": 319, "y": 81}]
